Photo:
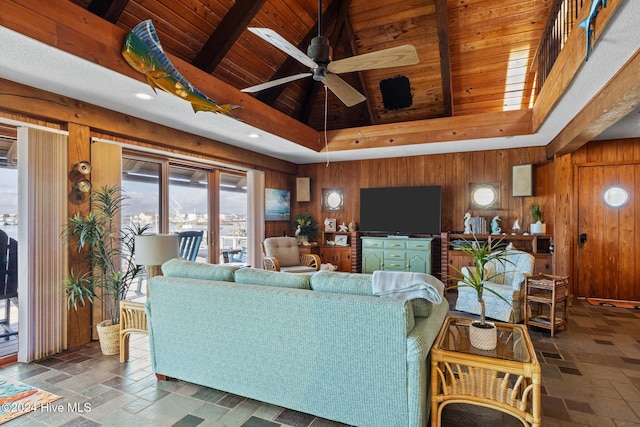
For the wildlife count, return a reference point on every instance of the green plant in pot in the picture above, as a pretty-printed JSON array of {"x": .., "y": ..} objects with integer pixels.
[
  {"x": 306, "y": 227},
  {"x": 483, "y": 334},
  {"x": 537, "y": 217},
  {"x": 107, "y": 256}
]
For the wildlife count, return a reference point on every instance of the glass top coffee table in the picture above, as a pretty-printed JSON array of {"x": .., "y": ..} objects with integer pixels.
[{"x": 506, "y": 379}]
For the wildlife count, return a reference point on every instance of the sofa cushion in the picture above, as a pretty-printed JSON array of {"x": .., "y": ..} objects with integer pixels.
[
  {"x": 341, "y": 283},
  {"x": 255, "y": 276},
  {"x": 198, "y": 270},
  {"x": 357, "y": 284}
]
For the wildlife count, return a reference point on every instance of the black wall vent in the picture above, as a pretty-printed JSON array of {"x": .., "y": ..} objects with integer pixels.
[{"x": 396, "y": 93}]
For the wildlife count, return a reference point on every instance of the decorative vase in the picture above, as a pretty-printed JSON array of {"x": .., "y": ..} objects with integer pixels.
[
  {"x": 483, "y": 337},
  {"x": 109, "y": 335}
]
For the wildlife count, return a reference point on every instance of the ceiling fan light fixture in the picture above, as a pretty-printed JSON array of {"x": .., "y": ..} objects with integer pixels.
[{"x": 320, "y": 74}]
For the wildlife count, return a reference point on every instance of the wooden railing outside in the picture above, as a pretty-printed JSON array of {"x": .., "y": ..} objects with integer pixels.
[{"x": 562, "y": 19}]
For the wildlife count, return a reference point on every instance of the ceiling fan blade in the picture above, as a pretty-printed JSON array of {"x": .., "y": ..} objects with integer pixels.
[
  {"x": 392, "y": 57},
  {"x": 272, "y": 83},
  {"x": 346, "y": 93},
  {"x": 276, "y": 39}
]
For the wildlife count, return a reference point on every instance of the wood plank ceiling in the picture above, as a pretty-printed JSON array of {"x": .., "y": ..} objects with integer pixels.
[{"x": 475, "y": 55}]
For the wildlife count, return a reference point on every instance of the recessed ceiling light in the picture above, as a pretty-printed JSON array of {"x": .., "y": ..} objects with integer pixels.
[
  {"x": 253, "y": 135},
  {"x": 143, "y": 96}
]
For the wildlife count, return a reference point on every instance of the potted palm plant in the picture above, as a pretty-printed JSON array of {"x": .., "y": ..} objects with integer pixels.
[
  {"x": 107, "y": 251},
  {"x": 483, "y": 334}
]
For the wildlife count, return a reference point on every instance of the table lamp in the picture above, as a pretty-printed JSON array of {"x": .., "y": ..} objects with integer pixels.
[{"x": 153, "y": 250}]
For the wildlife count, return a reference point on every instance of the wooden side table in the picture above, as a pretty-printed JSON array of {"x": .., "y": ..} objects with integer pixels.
[
  {"x": 506, "y": 379},
  {"x": 544, "y": 296}
]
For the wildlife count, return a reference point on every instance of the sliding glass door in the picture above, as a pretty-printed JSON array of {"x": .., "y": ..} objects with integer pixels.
[{"x": 178, "y": 196}]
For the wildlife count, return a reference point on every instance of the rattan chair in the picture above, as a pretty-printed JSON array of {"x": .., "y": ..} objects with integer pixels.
[{"x": 282, "y": 254}]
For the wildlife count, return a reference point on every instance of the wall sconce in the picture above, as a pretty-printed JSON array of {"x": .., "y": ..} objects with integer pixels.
[
  {"x": 82, "y": 167},
  {"x": 82, "y": 185}
]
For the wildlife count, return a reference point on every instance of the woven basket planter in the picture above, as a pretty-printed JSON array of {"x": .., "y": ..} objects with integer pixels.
[
  {"x": 109, "y": 336},
  {"x": 483, "y": 338}
]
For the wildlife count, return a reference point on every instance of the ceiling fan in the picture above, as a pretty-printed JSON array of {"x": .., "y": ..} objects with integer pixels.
[{"x": 323, "y": 69}]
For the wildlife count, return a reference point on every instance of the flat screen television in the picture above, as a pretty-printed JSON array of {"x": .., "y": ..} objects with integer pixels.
[{"x": 401, "y": 210}]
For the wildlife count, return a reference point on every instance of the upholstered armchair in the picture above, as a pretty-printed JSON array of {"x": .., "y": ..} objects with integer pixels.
[
  {"x": 507, "y": 279},
  {"x": 282, "y": 254}
]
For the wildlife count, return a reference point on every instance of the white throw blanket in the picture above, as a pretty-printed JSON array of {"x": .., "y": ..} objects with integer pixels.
[{"x": 407, "y": 286}]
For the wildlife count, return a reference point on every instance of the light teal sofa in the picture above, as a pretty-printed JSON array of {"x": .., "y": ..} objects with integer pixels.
[{"x": 320, "y": 344}]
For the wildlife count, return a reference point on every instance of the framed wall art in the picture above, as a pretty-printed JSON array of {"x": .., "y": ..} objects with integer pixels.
[{"x": 277, "y": 205}]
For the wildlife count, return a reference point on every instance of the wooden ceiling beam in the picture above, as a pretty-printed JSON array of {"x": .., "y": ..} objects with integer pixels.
[
  {"x": 291, "y": 66},
  {"x": 459, "y": 128},
  {"x": 37, "y": 103},
  {"x": 445, "y": 57},
  {"x": 363, "y": 84},
  {"x": 72, "y": 29},
  {"x": 614, "y": 101},
  {"x": 226, "y": 34},
  {"x": 108, "y": 9}
]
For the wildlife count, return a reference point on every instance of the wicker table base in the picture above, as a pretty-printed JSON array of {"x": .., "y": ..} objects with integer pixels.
[
  {"x": 133, "y": 319},
  {"x": 506, "y": 379}
]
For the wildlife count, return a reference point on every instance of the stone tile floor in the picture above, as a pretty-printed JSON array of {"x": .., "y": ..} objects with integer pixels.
[{"x": 591, "y": 377}]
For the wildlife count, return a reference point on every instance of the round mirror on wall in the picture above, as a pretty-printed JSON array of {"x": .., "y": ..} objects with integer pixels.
[{"x": 615, "y": 197}]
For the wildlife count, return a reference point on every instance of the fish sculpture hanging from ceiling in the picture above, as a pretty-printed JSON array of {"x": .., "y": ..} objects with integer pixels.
[
  {"x": 142, "y": 50},
  {"x": 588, "y": 23}
]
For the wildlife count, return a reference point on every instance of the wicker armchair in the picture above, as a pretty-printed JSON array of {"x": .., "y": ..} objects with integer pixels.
[{"x": 282, "y": 254}]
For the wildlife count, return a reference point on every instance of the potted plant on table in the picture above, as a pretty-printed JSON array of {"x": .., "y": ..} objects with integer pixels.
[
  {"x": 483, "y": 334},
  {"x": 537, "y": 226},
  {"x": 107, "y": 252},
  {"x": 306, "y": 227}
]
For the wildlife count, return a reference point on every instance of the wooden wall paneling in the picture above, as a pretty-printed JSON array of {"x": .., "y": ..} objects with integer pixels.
[
  {"x": 564, "y": 228},
  {"x": 502, "y": 169},
  {"x": 78, "y": 149}
]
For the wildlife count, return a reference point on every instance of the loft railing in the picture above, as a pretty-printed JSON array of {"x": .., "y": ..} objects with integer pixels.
[{"x": 562, "y": 19}]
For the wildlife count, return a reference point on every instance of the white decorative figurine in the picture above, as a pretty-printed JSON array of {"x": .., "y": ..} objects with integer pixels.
[
  {"x": 516, "y": 226},
  {"x": 298, "y": 230},
  {"x": 343, "y": 227},
  {"x": 495, "y": 228},
  {"x": 467, "y": 223}
]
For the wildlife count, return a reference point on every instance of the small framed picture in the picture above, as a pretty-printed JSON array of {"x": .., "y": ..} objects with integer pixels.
[
  {"x": 342, "y": 240},
  {"x": 330, "y": 225}
]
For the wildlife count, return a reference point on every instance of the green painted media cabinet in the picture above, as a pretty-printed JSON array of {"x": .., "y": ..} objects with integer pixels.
[{"x": 396, "y": 254}]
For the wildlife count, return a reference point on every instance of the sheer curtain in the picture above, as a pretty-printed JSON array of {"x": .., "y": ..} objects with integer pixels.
[
  {"x": 42, "y": 256},
  {"x": 255, "y": 214}
]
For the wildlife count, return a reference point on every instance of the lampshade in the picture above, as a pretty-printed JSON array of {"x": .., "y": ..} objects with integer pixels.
[{"x": 156, "y": 249}]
